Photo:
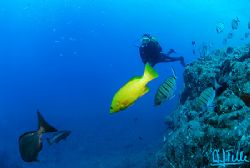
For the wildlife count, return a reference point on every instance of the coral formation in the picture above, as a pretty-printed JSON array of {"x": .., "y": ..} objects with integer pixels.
[{"x": 192, "y": 135}]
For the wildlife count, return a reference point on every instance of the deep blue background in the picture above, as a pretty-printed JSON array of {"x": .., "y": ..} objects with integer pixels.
[{"x": 68, "y": 58}]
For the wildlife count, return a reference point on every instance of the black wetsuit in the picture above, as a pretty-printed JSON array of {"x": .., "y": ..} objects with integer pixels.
[{"x": 151, "y": 53}]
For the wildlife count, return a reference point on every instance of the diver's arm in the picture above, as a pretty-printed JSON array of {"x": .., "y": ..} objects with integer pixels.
[
  {"x": 164, "y": 57},
  {"x": 170, "y": 51}
]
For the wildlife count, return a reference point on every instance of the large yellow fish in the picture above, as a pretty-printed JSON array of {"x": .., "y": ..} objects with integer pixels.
[{"x": 132, "y": 90}]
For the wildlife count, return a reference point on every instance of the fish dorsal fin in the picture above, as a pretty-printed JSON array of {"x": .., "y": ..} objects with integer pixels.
[
  {"x": 42, "y": 124},
  {"x": 173, "y": 71}
]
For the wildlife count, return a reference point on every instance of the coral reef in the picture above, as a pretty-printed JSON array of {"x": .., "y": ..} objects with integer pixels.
[{"x": 193, "y": 135}]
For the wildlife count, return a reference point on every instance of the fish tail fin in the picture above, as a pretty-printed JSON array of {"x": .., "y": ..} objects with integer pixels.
[
  {"x": 44, "y": 125},
  {"x": 149, "y": 73},
  {"x": 48, "y": 140}
]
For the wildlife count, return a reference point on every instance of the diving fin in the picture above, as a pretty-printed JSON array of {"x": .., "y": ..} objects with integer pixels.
[{"x": 44, "y": 124}]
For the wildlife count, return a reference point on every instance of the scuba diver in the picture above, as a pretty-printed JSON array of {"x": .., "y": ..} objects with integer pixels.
[{"x": 151, "y": 52}]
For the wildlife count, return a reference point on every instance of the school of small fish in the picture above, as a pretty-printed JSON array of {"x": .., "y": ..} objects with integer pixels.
[{"x": 235, "y": 23}]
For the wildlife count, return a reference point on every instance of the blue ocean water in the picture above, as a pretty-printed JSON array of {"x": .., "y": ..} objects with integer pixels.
[{"x": 68, "y": 58}]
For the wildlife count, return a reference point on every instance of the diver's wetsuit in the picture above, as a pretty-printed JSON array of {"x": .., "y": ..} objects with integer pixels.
[{"x": 151, "y": 52}]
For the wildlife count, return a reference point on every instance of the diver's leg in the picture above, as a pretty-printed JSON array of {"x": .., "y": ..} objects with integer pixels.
[
  {"x": 182, "y": 61},
  {"x": 166, "y": 58}
]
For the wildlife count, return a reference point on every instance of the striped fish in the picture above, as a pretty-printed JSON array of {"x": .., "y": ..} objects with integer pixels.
[
  {"x": 206, "y": 98},
  {"x": 166, "y": 90}
]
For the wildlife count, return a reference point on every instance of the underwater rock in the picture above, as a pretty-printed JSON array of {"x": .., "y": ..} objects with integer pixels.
[
  {"x": 246, "y": 56},
  {"x": 230, "y": 50},
  {"x": 245, "y": 94},
  {"x": 169, "y": 123},
  {"x": 228, "y": 103},
  {"x": 192, "y": 135}
]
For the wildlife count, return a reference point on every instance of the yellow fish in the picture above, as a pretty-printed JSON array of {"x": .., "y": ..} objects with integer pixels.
[{"x": 132, "y": 90}]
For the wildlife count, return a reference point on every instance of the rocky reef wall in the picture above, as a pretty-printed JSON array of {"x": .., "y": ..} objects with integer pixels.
[{"x": 192, "y": 134}]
